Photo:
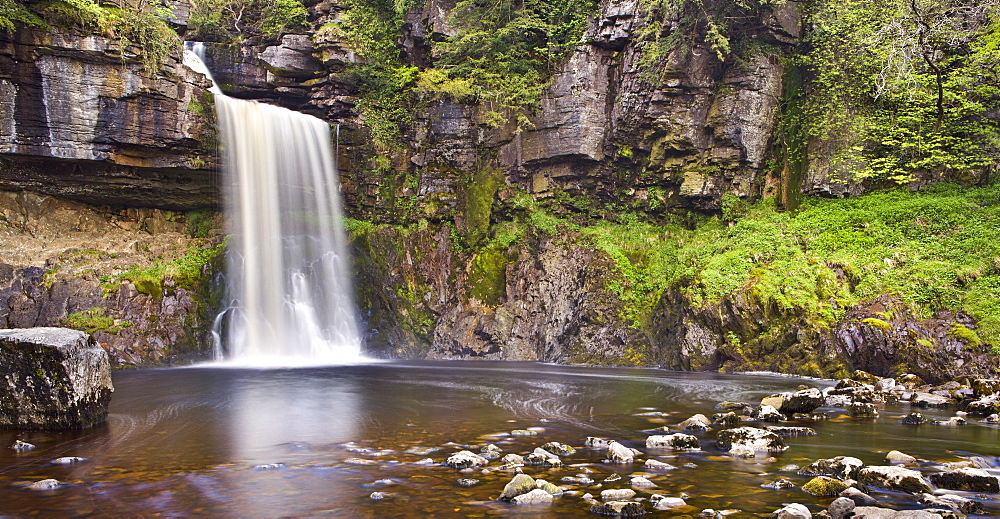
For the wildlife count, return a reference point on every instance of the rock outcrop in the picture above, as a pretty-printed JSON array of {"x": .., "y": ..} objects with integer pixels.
[
  {"x": 81, "y": 119},
  {"x": 53, "y": 378}
]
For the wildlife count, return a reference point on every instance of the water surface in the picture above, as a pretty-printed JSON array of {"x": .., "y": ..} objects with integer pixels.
[{"x": 189, "y": 441}]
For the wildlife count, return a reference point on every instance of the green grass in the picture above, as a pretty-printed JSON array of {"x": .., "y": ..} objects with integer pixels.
[
  {"x": 934, "y": 249},
  {"x": 185, "y": 271}
]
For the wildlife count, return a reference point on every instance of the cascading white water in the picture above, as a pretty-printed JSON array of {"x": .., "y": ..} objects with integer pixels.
[{"x": 290, "y": 294}]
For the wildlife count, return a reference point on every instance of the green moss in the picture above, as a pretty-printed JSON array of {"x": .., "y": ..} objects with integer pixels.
[
  {"x": 185, "y": 272},
  {"x": 90, "y": 321},
  {"x": 480, "y": 191},
  {"x": 877, "y": 323},
  {"x": 487, "y": 277},
  {"x": 960, "y": 331}
]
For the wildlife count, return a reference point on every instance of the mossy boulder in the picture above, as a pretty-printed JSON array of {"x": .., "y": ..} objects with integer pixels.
[
  {"x": 53, "y": 378},
  {"x": 824, "y": 486}
]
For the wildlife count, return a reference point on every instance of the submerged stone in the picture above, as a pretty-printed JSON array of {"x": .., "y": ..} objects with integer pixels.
[
  {"x": 45, "y": 484},
  {"x": 619, "y": 509},
  {"x": 52, "y": 378},
  {"x": 21, "y": 446}
]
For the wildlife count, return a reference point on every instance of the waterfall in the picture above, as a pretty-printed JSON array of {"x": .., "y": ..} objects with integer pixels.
[{"x": 290, "y": 298}]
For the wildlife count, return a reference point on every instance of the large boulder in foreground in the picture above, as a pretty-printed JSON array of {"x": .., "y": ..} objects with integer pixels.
[{"x": 53, "y": 378}]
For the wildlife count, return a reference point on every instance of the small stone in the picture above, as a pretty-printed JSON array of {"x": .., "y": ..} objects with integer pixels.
[
  {"x": 698, "y": 422},
  {"x": 841, "y": 467},
  {"x": 45, "y": 484},
  {"x": 862, "y": 411},
  {"x": 677, "y": 441},
  {"x": 793, "y": 511},
  {"x": 750, "y": 438},
  {"x": 894, "y": 478},
  {"x": 618, "y": 453},
  {"x": 641, "y": 482},
  {"x": 580, "y": 479},
  {"x": 822, "y": 486},
  {"x": 669, "y": 503},
  {"x": 612, "y": 478},
  {"x": 896, "y": 457},
  {"x": 742, "y": 451},
  {"x": 619, "y": 509},
  {"x": 468, "y": 482},
  {"x": 21, "y": 446},
  {"x": 541, "y": 484},
  {"x": 421, "y": 451},
  {"x": 560, "y": 449},
  {"x": 490, "y": 452},
  {"x": 968, "y": 479},
  {"x": 778, "y": 484},
  {"x": 658, "y": 465},
  {"x": 534, "y": 497},
  {"x": 768, "y": 413},
  {"x": 954, "y": 502},
  {"x": 511, "y": 460},
  {"x": 617, "y": 494},
  {"x": 954, "y": 421},
  {"x": 523, "y": 432},
  {"x": 728, "y": 418},
  {"x": 520, "y": 484},
  {"x": 841, "y": 508},
  {"x": 596, "y": 443},
  {"x": 913, "y": 419},
  {"x": 358, "y": 461},
  {"x": 68, "y": 460},
  {"x": 788, "y": 432},
  {"x": 270, "y": 466},
  {"x": 466, "y": 459},
  {"x": 378, "y": 496},
  {"x": 860, "y": 498}
]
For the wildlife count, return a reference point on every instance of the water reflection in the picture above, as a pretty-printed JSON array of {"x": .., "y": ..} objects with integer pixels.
[{"x": 187, "y": 441}]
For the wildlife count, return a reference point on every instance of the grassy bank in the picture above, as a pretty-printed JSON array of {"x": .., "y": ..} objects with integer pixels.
[{"x": 935, "y": 249}]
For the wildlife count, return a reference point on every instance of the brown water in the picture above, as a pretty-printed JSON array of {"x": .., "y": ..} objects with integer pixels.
[{"x": 183, "y": 442}]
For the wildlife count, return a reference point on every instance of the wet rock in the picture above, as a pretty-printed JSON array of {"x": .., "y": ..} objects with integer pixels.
[
  {"x": 860, "y": 498},
  {"x": 21, "y": 446},
  {"x": 596, "y": 443},
  {"x": 523, "y": 432},
  {"x": 520, "y": 484},
  {"x": 490, "y": 452},
  {"x": 993, "y": 418},
  {"x": 618, "y": 453},
  {"x": 896, "y": 457},
  {"x": 778, "y": 484},
  {"x": 579, "y": 479},
  {"x": 862, "y": 411},
  {"x": 378, "y": 496},
  {"x": 749, "y": 438},
  {"x": 894, "y": 478},
  {"x": 557, "y": 448},
  {"x": 728, "y": 418},
  {"x": 824, "y": 486},
  {"x": 677, "y": 441},
  {"x": 788, "y": 432},
  {"x": 954, "y": 421},
  {"x": 68, "y": 460},
  {"x": 468, "y": 482},
  {"x": 984, "y": 406},
  {"x": 617, "y": 494},
  {"x": 841, "y": 508},
  {"x": 793, "y": 511},
  {"x": 802, "y": 401},
  {"x": 913, "y": 419},
  {"x": 511, "y": 460},
  {"x": 874, "y": 512},
  {"x": 52, "y": 378},
  {"x": 641, "y": 482},
  {"x": 742, "y": 451},
  {"x": 541, "y": 484},
  {"x": 534, "y": 497},
  {"x": 738, "y": 407},
  {"x": 768, "y": 413},
  {"x": 698, "y": 422},
  {"x": 45, "y": 484},
  {"x": 666, "y": 503},
  {"x": 954, "y": 502},
  {"x": 968, "y": 479},
  {"x": 841, "y": 467},
  {"x": 931, "y": 400},
  {"x": 466, "y": 459},
  {"x": 658, "y": 465},
  {"x": 619, "y": 509},
  {"x": 270, "y": 466}
]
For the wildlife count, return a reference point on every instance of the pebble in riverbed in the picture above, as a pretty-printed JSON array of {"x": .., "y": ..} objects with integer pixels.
[
  {"x": 68, "y": 460},
  {"x": 21, "y": 446},
  {"x": 270, "y": 466},
  {"x": 45, "y": 484}
]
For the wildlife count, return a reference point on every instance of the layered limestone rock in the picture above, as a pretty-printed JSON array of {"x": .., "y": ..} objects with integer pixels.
[
  {"x": 81, "y": 119},
  {"x": 53, "y": 378}
]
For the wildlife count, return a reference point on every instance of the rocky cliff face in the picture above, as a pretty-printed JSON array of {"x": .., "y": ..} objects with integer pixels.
[{"x": 81, "y": 119}]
